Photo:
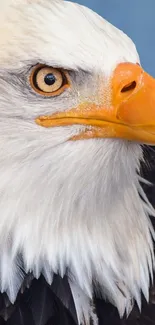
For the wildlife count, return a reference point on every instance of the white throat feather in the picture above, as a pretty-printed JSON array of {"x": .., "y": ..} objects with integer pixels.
[{"x": 77, "y": 210}]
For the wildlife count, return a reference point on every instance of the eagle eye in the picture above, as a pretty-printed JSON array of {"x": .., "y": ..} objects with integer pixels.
[{"x": 48, "y": 81}]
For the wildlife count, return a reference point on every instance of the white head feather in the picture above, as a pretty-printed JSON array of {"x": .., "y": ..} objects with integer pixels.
[{"x": 67, "y": 205}]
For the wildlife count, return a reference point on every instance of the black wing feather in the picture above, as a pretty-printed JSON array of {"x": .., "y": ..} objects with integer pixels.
[{"x": 21, "y": 316}]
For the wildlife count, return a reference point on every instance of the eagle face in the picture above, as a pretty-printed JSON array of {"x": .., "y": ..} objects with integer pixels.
[{"x": 73, "y": 111}]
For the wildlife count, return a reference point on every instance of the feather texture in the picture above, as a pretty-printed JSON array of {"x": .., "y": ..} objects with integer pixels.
[
  {"x": 21, "y": 316},
  {"x": 41, "y": 304},
  {"x": 30, "y": 309},
  {"x": 44, "y": 304}
]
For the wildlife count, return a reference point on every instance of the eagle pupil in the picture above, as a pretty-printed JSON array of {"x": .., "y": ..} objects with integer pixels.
[{"x": 50, "y": 79}]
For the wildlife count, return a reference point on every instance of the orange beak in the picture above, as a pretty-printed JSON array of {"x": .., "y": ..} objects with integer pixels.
[{"x": 130, "y": 113}]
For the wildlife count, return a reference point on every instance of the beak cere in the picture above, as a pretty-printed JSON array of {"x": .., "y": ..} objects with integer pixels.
[{"x": 130, "y": 116}]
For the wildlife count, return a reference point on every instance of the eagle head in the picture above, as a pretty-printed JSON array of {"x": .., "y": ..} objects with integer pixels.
[{"x": 75, "y": 107}]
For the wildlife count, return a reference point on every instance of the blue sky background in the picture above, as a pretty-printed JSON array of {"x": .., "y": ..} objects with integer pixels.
[{"x": 136, "y": 18}]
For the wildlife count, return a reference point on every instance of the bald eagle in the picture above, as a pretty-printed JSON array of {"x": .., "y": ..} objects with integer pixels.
[{"x": 76, "y": 107}]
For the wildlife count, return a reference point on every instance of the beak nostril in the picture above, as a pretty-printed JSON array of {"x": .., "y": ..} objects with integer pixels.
[{"x": 128, "y": 87}]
